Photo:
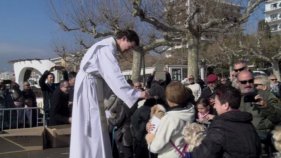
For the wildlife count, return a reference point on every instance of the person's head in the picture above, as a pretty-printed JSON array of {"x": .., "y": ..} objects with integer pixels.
[
  {"x": 137, "y": 85},
  {"x": 126, "y": 40},
  {"x": 212, "y": 80},
  {"x": 202, "y": 105},
  {"x": 64, "y": 86},
  {"x": 26, "y": 85},
  {"x": 178, "y": 95},
  {"x": 246, "y": 82},
  {"x": 191, "y": 79},
  {"x": 273, "y": 79},
  {"x": 71, "y": 78},
  {"x": 227, "y": 98},
  {"x": 261, "y": 83},
  {"x": 157, "y": 91},
  {"x": 50, "y": 78},
  {"x": 223, "y": 80},
  {"x": 239, "y": 66}
]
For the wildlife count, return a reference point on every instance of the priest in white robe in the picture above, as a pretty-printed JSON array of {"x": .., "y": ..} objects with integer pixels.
[{"x": 99, "y": 70}]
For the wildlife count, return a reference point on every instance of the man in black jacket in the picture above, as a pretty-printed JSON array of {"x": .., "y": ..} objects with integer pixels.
[
  {"x": 48, "y": 86},
  {"x": 231, "y": 134},
  {"x": 60, "y": 113}
]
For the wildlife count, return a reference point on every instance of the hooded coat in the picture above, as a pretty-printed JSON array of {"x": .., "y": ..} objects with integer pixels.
[{"x": 170, "y": 129}]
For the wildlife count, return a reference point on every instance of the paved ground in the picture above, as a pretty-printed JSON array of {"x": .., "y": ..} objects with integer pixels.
[
  {"x": 47, "y": 153},
  {"x": 9, "y": 149}
]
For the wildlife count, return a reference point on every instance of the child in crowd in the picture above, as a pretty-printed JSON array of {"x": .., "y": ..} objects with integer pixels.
[
  {"x": 204, "y": 111},
  {"x": 168, "y": 139}
]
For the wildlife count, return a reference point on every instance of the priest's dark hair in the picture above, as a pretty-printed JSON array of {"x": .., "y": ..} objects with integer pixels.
[{"x": 131, "y": 35}]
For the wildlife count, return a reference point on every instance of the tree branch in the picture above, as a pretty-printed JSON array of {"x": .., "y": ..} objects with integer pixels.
[{"x": 138, "y": 11}]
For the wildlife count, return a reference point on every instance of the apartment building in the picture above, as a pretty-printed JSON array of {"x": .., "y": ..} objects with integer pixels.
[{"x": 273, "y": 15}]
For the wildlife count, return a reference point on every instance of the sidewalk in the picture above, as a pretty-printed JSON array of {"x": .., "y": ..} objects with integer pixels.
[{"x": 47, "y": 153}]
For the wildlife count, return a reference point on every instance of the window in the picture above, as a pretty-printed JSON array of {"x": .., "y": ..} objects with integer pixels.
[
  {"x": 176, "y": 74},
  {"x": 273, "y": 27},
  {"x": 274, "y": 6},
  {"x": 273, "y": 16}
]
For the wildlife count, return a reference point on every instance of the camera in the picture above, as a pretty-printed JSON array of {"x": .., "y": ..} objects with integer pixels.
[{"x": 250, "y": 97}]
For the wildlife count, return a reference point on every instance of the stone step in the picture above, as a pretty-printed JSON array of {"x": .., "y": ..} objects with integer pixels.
[{"x": 22, "y": 139}]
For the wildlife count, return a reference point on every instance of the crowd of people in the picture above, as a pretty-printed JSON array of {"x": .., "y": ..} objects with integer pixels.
[
  {"x": 220, "y": 116},
  {"x": 56, "y": 98}
]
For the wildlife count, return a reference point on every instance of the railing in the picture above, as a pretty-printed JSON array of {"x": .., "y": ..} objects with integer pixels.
[{"x": 11, "y": 118}]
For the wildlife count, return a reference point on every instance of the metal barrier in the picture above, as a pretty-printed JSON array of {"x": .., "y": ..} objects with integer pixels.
[{"x": 11, "y": 118}]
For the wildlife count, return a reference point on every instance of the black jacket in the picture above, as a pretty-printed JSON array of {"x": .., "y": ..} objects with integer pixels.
[
  {"x": 230, "y": 135},
  {"x": 47, "y": 89},
  {"x": 60, "y": 112},
  {"x": 122, "y": 122}
]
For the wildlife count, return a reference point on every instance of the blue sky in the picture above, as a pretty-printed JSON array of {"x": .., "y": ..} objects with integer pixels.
[{"x": 27, "y": 31}]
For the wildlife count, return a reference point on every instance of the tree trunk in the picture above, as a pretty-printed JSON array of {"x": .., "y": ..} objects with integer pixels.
[
  {"x": 230, "y": 63},
  {"x": 136, "y": 67},
  {"x": 192, "y": 65},
  {"x": 276, "y": 69}
]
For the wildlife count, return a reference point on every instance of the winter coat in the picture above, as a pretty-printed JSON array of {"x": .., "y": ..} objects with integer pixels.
[
  {"x": 170, "y": 129},
  {"x": 60, "y": 112},
  {"x": 122, "y": 122},
  {"x": 230, "y": 135}
]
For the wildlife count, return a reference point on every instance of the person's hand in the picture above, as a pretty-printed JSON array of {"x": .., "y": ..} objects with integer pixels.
[
  {"x": 144, "y": 94},
  {"x": 56, "y": 67},
  {"x": 210, "y": 117},
  {"x": 154, "y": 71},
  {"x": 149, "y": 127},
  {"x": 212, "y": 101},
  {"x": 70, "y": 119},
  {"x": 149, "y": 138},
  {"x": 260, "y": 101}
]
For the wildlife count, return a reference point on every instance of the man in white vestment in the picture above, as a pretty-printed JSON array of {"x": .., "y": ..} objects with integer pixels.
[{"x": 99, "y": 70}]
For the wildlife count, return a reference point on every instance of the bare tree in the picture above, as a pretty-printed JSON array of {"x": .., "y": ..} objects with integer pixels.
[
  {"x": 189, "y": 20},
  {"x": 160, "y": 23},
  {"x": 265, "y": 47}
]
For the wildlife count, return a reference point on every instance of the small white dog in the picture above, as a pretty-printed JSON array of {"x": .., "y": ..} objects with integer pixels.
[{"x": 193, "y": 134}]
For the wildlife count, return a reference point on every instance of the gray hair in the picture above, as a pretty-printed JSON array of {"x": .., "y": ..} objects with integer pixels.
[{"x": 264, "y": 80}]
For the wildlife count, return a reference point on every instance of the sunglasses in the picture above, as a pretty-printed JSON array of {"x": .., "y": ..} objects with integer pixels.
[
  {"x": 273, "y": 79},
  {"x": 257, "y": 84},
  {"x": 238, "y": 70},
  {"x": 247, "y": 81}
]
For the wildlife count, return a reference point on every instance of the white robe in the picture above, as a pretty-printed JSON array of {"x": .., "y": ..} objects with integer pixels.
[{"x": 99, "y": 70}]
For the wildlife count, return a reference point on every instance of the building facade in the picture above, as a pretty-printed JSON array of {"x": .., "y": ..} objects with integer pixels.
[{"x": 273, "y": 15}]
